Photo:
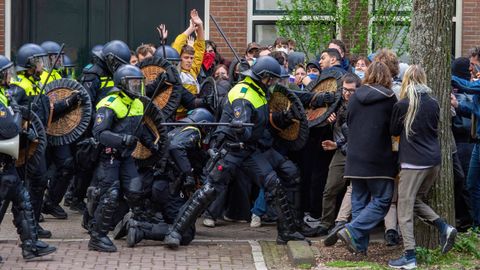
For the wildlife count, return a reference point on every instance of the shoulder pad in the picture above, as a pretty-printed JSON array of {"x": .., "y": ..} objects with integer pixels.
[{"x": 94, "y": 69}]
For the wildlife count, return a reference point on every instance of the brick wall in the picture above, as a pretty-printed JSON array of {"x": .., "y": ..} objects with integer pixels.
[
  {"x": 2, "y": 27},
  {"x": 231, "y": 15},
  {"x": 470, "y": 28}
]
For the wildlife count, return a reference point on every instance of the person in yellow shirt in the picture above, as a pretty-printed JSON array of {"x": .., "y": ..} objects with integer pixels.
[{"x": 191, "y": 57}]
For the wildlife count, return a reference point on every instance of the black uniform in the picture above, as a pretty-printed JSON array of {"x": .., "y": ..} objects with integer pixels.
[
  {"x": 115, "y": 122},
  {"x": 169, "y": 187},
  {"x": 12, "y": 189}
]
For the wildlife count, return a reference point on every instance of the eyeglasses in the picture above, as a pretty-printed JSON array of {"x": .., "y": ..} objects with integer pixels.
[{"x": 350, "y": 91}]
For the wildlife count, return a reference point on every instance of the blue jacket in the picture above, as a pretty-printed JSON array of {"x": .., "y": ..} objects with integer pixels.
[{"x": 466, "y": 107}]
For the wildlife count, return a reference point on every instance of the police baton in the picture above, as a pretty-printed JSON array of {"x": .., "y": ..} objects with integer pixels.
[
  {"x": 225, "y": 37},
  {"x": 235, "y": 125}
]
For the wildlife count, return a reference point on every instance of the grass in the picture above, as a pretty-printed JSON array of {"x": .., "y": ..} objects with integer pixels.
[{"x": 464, "y": 255}]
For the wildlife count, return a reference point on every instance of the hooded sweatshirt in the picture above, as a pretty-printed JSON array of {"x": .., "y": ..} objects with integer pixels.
[{"x": 369, "y": 152}]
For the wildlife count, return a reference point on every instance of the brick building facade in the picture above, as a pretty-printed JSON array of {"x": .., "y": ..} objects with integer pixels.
[{"x": 238, "y": 20}]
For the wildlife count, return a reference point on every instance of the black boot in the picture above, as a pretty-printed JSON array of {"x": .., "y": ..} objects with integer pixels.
[
  {"x": 287, "y": 229},
  {"x": 53, "y": 209},
  {"x": 121, "y": 229},
  {"x": 42, "y": 233},
  {"x": 188, "y": 214},
  {"x": 135, "y": 233},
  {"x": 78, "y": 205},
  {"x": 26, "y": 228},
  {"x": 103, "y": 218},
  {"x": 139, "y": 230}
]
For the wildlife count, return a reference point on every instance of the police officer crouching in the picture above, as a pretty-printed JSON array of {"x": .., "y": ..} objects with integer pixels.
[
  {"x": 170, "y": 187},
  {"x": 11, "y": 188},
  {"x": 247, "y": 102},
  {"x": 118, "y": 115}
]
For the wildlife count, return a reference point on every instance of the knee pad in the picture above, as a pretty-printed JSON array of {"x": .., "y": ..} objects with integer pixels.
[{"x": 135, "y": 185}]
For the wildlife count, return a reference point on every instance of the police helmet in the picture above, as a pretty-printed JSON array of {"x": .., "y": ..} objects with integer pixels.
[
  {"x": 129, "y": 79},
  {"x": 53, "y": 48},
  {"x": 7, "y": 70},
  {"x": 199, "y": 115},
  {"x": 115, "y": 53},
  {"x": 31, "y": 56},
  {"x": 264, "y": 66},
  {"x": 172, "y": 54},
  {"x": 68, "y": 68}
]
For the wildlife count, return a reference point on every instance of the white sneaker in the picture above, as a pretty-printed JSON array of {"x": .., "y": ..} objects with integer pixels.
[
  {"x": 311, "y": 222},
  {"x": 256, "y": 221},
  {"x": 208, "y": 222}
]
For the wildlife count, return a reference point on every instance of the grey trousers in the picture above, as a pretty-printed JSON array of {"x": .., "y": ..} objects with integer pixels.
[
  {"x": 413, "y": 187},
  {"x": 335, "y": 184}
]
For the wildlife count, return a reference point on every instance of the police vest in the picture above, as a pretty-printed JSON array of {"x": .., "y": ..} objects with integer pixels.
[
  {"x": 122, "y": 105},
  {"x": 247, "y": 89},
  {"x": 28, "y": 85},
  {"x": 53, "y": 77}
]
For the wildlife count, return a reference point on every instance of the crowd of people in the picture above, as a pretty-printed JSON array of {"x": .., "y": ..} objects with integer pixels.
[{"x": 370, "y": 163}]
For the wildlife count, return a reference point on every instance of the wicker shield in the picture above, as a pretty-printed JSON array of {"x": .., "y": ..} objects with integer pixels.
[
  {"x": 294, "y": 136},
  {"x": 328, "y": 81},
  {"x": 36, "y": 148},
  {"x": 152, "y": 121},
  {"x": 209, "y": 87},
  {"x": 167, "y": 99},
  {"x": 68, "y": 127}
]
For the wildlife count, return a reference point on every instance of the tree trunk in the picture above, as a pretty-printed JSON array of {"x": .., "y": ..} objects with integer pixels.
[{"x": 430, "y": 46}]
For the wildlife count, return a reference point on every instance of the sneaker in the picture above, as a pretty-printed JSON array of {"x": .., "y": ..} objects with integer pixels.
[
  {"x": 447, "y": 239},
  {"x": 348, "y": 240},
  {"x": 208, "y": 222},
  {"x": 332, "y": 237},
  {"x": 392, "y": 238},
  {"x": 403, "y": 263},
  {"x": 256, "y": 221},
  {"x": 310, "y": 221}
]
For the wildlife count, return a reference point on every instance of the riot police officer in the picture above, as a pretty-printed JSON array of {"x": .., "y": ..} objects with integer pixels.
[
  {"x": 247, "y": 103},
  {"x": 11, "y": 188},
  {"x": 53, "y": 49},
  {"x": 97, "y": 78},
  {"x": 118, "y": 115},
  {"x": 172, "y": 185},
  {"x": 26, "y": 91}
]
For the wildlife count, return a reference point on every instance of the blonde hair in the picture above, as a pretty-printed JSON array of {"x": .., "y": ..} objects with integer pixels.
[{"x": 414, "y": 77}]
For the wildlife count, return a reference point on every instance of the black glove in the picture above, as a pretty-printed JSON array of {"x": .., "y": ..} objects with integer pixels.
[
  {"x": 237, "y": 126},
  {"x": 189, "y": 183},
  {"x": 329, "y": 98},
  {"x": 209, "y": 100},
  {"x": 73, "y": 99},
  {"x": 129, "y": 140},
  {"x": 171, "y": 75},
  {"x": 30, "y": 133}
]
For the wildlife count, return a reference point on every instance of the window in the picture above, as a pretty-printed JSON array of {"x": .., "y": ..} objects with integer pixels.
[{"x": 263, "y": 16}]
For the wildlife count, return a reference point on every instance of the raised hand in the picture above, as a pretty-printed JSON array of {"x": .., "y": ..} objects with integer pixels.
[
  {"x": 195, "y": 18},
  {"x": 163, "y": 32},
  {"x": 191, "y": 41}
]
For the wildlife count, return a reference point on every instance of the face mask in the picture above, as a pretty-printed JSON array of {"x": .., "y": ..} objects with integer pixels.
[
  {"x": 360, "y": 73},
  {"x": 313, "y": 76},
  {"x": 208, "y": 59},
  {"x": 285, "y": 50}
]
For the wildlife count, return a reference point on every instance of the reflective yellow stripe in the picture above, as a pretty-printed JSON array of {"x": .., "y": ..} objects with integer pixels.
[
  {"x": 244, "y": 91},
  {"x": 106, "y": 82},
  {"x": 196, "y": 129},
  {"x": 122, "y": 106},
  {"x": 3, "y": 98},
  {"x": 30, "y": 88},
  {"x": 53, "y": 77}
]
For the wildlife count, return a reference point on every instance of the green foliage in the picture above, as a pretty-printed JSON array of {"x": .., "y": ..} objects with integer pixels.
[
  {"x": 359, "y": 264},
  {"x": 464, "y": 253},
  {"x": 312, "y": 23}
]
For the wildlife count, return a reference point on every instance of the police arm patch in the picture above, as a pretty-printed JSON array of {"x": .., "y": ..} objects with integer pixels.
[
  {"x": 237, "y": 111},
  {"x": 99, "y": 118}
]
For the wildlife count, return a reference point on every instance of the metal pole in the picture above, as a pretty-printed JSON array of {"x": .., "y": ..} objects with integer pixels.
[{"x": 225, "y": 38}]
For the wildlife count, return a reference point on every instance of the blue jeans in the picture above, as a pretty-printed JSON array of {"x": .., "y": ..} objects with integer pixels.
[
  {"x": 370, "y": 203},
  {"x": 260, "y": 205},
  {"x": 473, "y": 184}
]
